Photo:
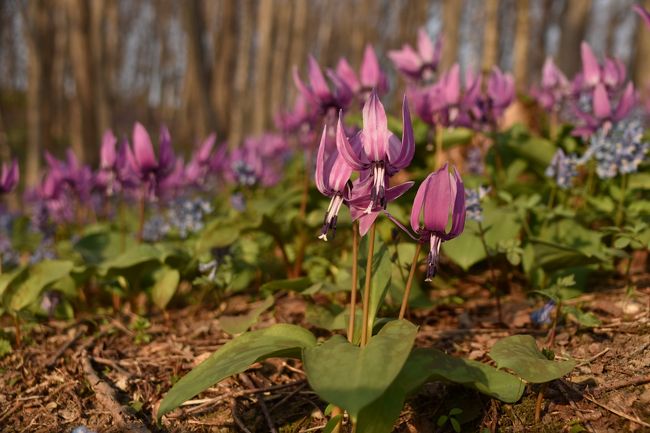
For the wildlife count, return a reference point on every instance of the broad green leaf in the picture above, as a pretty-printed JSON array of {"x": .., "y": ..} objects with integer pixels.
[
  {"x": 520, "y": 354},
  {"x": 584, "y": 318},
  {"x": 239, "y": 324},
  {"x": 6, "y": 278},
  {"x": 98, "y": 246},
  {"x": 163, "y": 290},
  {"x": 280, "y": 340},
  {"x": 382, "y": 271},
  {"x": 137, "y": 255},
  {"x": 550, "y": 257},
  {"x": 219, "y": 233},
  {"x": 639, "y": 181},
  {"x": 352, "y": 377},
  {"x": 292, "y": 284},
  {"x": 39, "y": 277},
  {"x": 424, "y": 365},
  {"x": 332, "y": 424},
  {"x": 330, "y": 318}
]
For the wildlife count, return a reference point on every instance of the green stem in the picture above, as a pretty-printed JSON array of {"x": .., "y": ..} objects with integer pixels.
[
  {"x": 143, "y": 208},
  {"x": 355, "y": 280},
  {"x": 409, "y": 282},
  {"x": 366, "y": 289},
  {"x": 438, "y": 151},
  {"x": 621, "y": 202},
  {"x": 493, "y": 276}
]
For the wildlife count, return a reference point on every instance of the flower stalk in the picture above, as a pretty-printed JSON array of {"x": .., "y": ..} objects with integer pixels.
[
  {"x": 409, "y": 282},
  {"x": 355, "y": 281},
  {"x": 366, "y": 289}
]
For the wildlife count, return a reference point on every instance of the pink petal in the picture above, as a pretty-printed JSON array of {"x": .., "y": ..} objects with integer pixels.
[
  {"x": 375, "y": 129},
  {"x": 602, "y": 108},
  {"x": 626, "y": 102},
  {"x": 458, "y": 213},
  {"x": 416, "y": 210},
  {"x": 366, "y": 221},
  {"x": 166, "y": 160},
  {"x": 347, "y": 74},
  {"x": 370, "y": 73},
  {"x": 317, "y": 79},
  {"x": 107, "y": 151},
  {"x": 643, "y": 13},
  {"x": 425, "y": 46},
  {"x": 437, "y": 201},
  {"x": 206, "y": 148},
  {"x": 406, "y": 60},
  {"x": 346, "y": 150},
  {"x": 143, "y": 148},
  {"x": 408, "y": 141},
  {"x": 590, "y": 66},
  {"x": 320, "y": 162},
  {"x": 451, "y": 86}
]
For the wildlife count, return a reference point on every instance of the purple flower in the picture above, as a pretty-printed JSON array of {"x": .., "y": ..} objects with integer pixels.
[
  {"x": 375, "y": 150},
  {"x": 643, "y": 13},
  {"x": 258, "y": 161},
  {"x": 332, "y": 180},
  {"x": 421, "y": 64},
  {"x": 370, "y": 75},
  {"x": 554, "y": 88},
  {"x": 499, "y": 95},
  {"x": 318, "y": 93},
  {"x": 9, "y": 177},
  {"x": 440, "y": 195},
  {"x": 197, "y": 170},
  {"x": 542, "y": 316},
  {"x": 602, "y": 113},
  {"x": 611, "y": 73},
  {"x": 151, "y": 171},
  {"x": 562, "y": 169}
]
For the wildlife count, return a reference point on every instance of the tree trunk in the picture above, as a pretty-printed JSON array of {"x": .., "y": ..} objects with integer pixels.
[
  {"x": 225, "y": 43},
  {"x": 197, "y": 103},
  {"x": 83, "y": 119},
  {"x": 279, "y": 70},
  {"x": 262, "y": 66},
  {"x": 641, "y": 66},
  {"x": 574, "y": 25},
  {"x": 521, "y": 50},
  {"x": 490, "y": 35},
  {"x": 240, "y": 102},
  {"x": 452, "y": 13},
  {"x": 100, "y": 73}
]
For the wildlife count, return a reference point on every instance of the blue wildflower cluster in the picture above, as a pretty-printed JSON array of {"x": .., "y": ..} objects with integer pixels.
[
  {"x": 473, "y": 199},
  {"x": 187, "y": 215},
  {"x": 44, "y": 251},
  {"x": 562, "y": 169},
  {"x": 155, "y": 228},
  {"x": 619, "y": 149},
  {"x": 474, "y": 163},
  {"x": 244, "y": 174}
]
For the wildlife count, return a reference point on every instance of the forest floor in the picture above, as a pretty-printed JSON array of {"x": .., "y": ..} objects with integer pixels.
[{"x": 109, "y": 373}]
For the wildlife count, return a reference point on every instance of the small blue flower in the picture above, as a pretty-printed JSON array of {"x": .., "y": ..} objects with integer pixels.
[
  {"x": 562, "y": 169},
  {"x": 542, "y": 316},
  {"x": 82, "y": 429},
  {"x": 245, "y": 175},
  {"x": 474, "y": 162},
  {"x": 473, "y": 199}
]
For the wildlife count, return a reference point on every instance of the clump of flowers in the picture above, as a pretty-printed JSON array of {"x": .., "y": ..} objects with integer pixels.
[
  {"x": 473, "y": 199},
  {"x": 618, "y": 150},
  {"x": 562, "y": 169},
  {"x": 421, "y": 64}
]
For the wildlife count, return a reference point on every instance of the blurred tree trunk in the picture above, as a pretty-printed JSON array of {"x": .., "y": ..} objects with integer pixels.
[
  {"x": 225, "y": 43},
  {"x": 83, "y": 120},
  {"x": 573, "y": 27},
  {"x": 537, "y": 53},
  {"x": 490, "y": 35},
  {"x": 279, "y": 70},
  {"x": 100, "y": 71},
  {"x": 39, "y": 38},
  {"x": 262, "y": 67},
  {"x": 452, "y": 13},
  {"x": 298, "y": 37},
  {"x": 240, "y": 102},
  {"x": 641, "y": 65},
  {"x": 521, "y": 50},
  {"x": 196, "y": 102}
]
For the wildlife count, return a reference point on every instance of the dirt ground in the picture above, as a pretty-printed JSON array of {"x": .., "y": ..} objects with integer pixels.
[{"x": 110, "y": 373}]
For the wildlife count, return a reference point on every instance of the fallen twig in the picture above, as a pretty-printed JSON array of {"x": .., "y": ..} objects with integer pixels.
[
  {"x": 50, "y": 362},
  {"x": 105, "y": 395},
  {"x": 260, "y": 400},
  {"x": 617, "y": 412},
  {"x": 235, "y": 417}
]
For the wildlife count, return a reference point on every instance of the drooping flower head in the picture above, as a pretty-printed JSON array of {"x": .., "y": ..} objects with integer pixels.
[
  {"x": 498, "y": 96},
  {"x": 420, "y": 65},
  {"x": 151, "y": 171},
  {"x": 611, "y": 73},
  {"x": 370, "y": 75},
  {"x": 438, "y": 213},
  {"x": 319, "y": 93},
  {"x": 554, "y": 88},
  {"x": 375, "y": 151},
  {"x": 257, "y": 161},
  {"x": 332, "y": 180},
  {"x": 602, "y": 113},
  {"x": 197, "y": 170},
  {"x": 9, "y": 176}
]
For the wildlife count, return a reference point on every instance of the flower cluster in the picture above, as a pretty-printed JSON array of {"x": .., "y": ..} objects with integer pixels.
[
  {"x": 619, "y": 149},
  {"x": 473, "y": 199},
  {"x": 562, "y": 169}
]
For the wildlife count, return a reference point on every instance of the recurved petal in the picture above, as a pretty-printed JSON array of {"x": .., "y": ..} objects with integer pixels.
[
  {"x": 317, "y": 79},
  {"x": 602, "y": 107},
  {"x": 347, "y": 74},
  {"x": 458, "y": 213},
  {"x": 203, "y": 154},
  {"x": 321, "y": 180},
  {"x": 437, "y": 201},
  {"x": 451, "y": 87},
  {"x": 302, "y": 88},
  {"x": 345, "y": 148},
  {"x": 366, "y": 221},
  {"x": 395, "y": 192},
  {"x": 406, "y": 60},
  {"x": 375, "y": 129},
  {"x": 425, "y": 46},
  {"x": 143, "y": 149},
  {"x": 590, "y": 66},
  {"x": 370, "y": 73},
  {"x": 416, "y": 210},
  {"x": 167, "y": 160},
  {"x": 626, "y": 102},
  {"x": 407, "y": 149},
  {"x": 107, "y": 151}
]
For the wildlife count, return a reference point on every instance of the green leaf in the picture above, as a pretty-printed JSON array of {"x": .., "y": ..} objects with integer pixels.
[
  {"x": 332, "y": 423},
  {"x": 331, "y": 318},
  {"x": 382, "y": 272},
  {"x": 622, "y": 242},
  {"x": 352, "y": 377},
  {"x": 137, "y": 255},
  {"x": 551, "y": 257},
  {"x": 98, "y": 246},
  {"x": 424, "y": 365},
  {"x": 167, "y": 280},
  {"x": 38, "y": 278},
  {"x": 238, "y": 324},
  {"x": 293, "y": 285},
  {"x": 5, "y": 348},
  {"x": 280, "y": 340},
  {"x": 584, "y": 318},
  {"x": 520, "y": 354},
  {"x": 639, "y": 181},
  {"x": 221, "y": 233},
  {"x": 7, "y": 278}
]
